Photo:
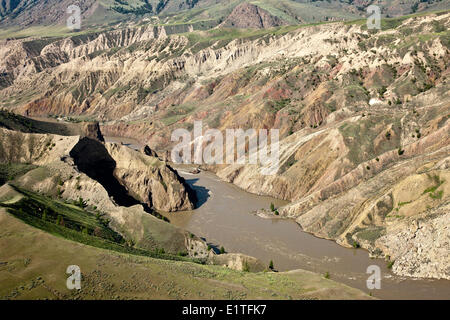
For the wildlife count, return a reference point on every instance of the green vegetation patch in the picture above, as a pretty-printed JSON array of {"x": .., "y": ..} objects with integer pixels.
[{"x": 221, "y": 37}]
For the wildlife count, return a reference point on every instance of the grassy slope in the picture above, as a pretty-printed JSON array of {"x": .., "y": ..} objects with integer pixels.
[
  {"x": 148, "y": 234},
  {"x": 33, "y": 265}
]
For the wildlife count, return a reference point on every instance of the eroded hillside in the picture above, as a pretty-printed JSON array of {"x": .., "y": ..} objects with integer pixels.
[{"x": 363, "y": 115}]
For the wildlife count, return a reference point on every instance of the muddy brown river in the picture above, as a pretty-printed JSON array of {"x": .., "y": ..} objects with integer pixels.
[{"x": 225, "y": 217}]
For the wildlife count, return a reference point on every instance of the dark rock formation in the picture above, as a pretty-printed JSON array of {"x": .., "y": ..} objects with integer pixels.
[{"x": 247, "y": 15}]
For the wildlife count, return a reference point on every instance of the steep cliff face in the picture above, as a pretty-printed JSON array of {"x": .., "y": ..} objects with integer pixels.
[
  {"x": 14, "y": 122},
  {"x": 33, "y": 12},
  {"x": 238, "y": 261}
]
